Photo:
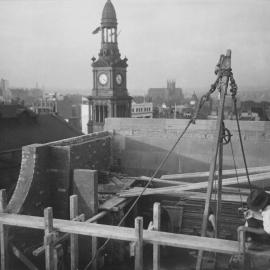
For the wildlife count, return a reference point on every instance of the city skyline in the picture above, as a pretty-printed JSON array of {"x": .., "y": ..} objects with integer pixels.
[{"x": 51, "y": 42}]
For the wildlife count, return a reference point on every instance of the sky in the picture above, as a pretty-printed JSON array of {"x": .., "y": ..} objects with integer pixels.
[{"x": 50, "y": 42}]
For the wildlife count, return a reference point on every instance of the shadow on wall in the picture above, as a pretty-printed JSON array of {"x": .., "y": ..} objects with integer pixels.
[{"x": 139, "y": 158}]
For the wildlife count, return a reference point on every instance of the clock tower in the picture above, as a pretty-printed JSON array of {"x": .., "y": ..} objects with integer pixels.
[{"x": 109, "y": 94}]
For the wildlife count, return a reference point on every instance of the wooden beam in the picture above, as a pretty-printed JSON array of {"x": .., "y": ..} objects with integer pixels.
[
  {"x": 139, "y": 243},
  {"x": 123, "y": 233},
  {"x": 74, "y": 249},
  {"x": 194, "y": 186},
  {"x": 48, "y": 238},
  {"x": 58, "y": 254},
  {"x": 38, "y": 251},
  {"x": 86, "y": 187},
  {"x": 156, "y": 223},
  {"x": 17, "y": 253},
  {"x": 231, "y": 172},
  {"x": 161, "y": 181},
  {"x": 97, "y": 217},
  {"x": 111, "y": 203},
  {"x": 197, "y": 195},
  {"x": 94, "y": 252},
  {"x": 3, "y": 233}
]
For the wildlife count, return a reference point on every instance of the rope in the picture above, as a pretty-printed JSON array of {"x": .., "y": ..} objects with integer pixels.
[
  {"x": 241, "y": 141},
  {"x": 203, "y": 99},
  {"x": 139, "y": 196},
  {"x": 236, "y": 175}
]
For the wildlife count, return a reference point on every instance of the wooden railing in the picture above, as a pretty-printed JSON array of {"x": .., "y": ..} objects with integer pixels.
[{"x": 74, "y": 227}]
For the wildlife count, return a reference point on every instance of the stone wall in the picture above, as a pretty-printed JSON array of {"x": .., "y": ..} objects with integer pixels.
[{"x": 140, "y": 144}]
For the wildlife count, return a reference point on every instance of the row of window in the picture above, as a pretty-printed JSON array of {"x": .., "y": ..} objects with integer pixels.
[{"x": 141, "y": 110}]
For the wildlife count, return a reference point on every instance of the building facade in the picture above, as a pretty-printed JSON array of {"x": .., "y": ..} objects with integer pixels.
[
  {"x": 5, "y": 96},
  {"x": 170, "y": 95},
  {"x": 142, "y": 110},
  {"x": 109, "y": 95}
]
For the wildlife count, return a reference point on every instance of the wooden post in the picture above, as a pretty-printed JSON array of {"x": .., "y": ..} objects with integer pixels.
[
  {"x": 156, "y": 248},
  {"x": 58, "y": 254},
  {"x": 3, "y": 232},
  {"x": 242, "y": 248},
  {"x": 86, "y": 186},
  {"x": 48, "y": 238},
  {"x": 94, "y": 210},
  {"x": 139, "y": 243},
  {"x": 74, "y": 252},
  {"x": 94, "y": 249},
  {"x": 219, "y": 188},
  {"x": 224, "y": 64}
]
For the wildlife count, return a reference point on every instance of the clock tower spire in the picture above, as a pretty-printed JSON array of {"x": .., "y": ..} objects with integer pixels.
[{"x": 109, "y": 94}]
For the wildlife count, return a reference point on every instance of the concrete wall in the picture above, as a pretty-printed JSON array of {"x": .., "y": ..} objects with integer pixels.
[
  {"x": 140, "y": 144},
  {"x": 45, "y": 177}
]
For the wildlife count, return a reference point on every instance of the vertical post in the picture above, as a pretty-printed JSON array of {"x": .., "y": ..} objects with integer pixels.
[
  {"x": 224, "y": 65},
  {"x": 115, "y": 110},
  {"x": 48, "y": 239},
  {"x": 58, "y": 254},
  {"x": 73, "y": 237},
  {"x": 156, "y": 248},
  {"x": 139, "y": 243},
  {"x": 242, "y": 247},
  {"x": 3, "y": 232},
  {"x": 85, "y": 184},
  {"x": 94, "y": 210},
  {"x": 94, "y": 248},
  {"x": 219, "y": 190}
]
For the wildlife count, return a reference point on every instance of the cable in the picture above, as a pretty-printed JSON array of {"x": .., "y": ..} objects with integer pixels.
[
  {"x": 236, "y": 175},
  {"x": 139, "y": 196},
  {"x": 241, "y": 142},
  {"x": 191, "y": 121}
]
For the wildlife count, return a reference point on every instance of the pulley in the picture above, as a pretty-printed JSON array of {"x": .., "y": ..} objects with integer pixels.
[{"x": 226, "y": 136}]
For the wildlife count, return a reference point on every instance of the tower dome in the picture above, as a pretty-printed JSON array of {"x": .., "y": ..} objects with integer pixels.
[{"x": 108, "y": 15}]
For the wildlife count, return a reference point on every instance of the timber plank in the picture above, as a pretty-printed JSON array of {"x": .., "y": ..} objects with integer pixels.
[
  {"x": 111, "y": 203},
  {"x": 193, "y": 195},
  {"x": 224, "y": 173},
  {"x": 194, "y": 186},
  {"x": 124, "y": 233}
]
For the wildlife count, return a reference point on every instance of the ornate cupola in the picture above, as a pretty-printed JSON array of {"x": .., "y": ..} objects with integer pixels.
[
  {"x": 109, "y": 46},
  {"x": 109, "y": 95}
]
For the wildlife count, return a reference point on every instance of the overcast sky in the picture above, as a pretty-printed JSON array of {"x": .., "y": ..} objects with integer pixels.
[{"x": 51, "y": 41}]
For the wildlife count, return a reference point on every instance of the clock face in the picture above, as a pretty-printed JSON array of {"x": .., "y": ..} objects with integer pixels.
[
  {"x": 103, "y": 78},
  {"x": 118, "y": 78}
]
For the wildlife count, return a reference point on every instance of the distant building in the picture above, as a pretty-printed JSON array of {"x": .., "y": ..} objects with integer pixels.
[
  {"x": 19, "y": 127},
  {"x": 26, "y": 96},
  {"x": 85, "y": 115},
  {"x": 249, "y": 116},
  {"x": 142, "y": 110},
  {"x": 170, "y": 96},
  {"x": 5, "y": 95},
  {"x": 69, "y": 108},
  {"x": 261, "y": 109},
  {"x": 45, "y": 106},
  {"x": 194, "y": 100}
]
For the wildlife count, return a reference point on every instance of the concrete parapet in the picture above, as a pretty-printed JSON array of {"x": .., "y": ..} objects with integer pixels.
[
  {"x": 141, "y": 144},
  {"x": 45, "y": 177}
]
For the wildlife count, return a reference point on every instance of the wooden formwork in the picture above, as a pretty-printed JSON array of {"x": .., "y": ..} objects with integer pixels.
[{"x": 76, "y": 226}]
